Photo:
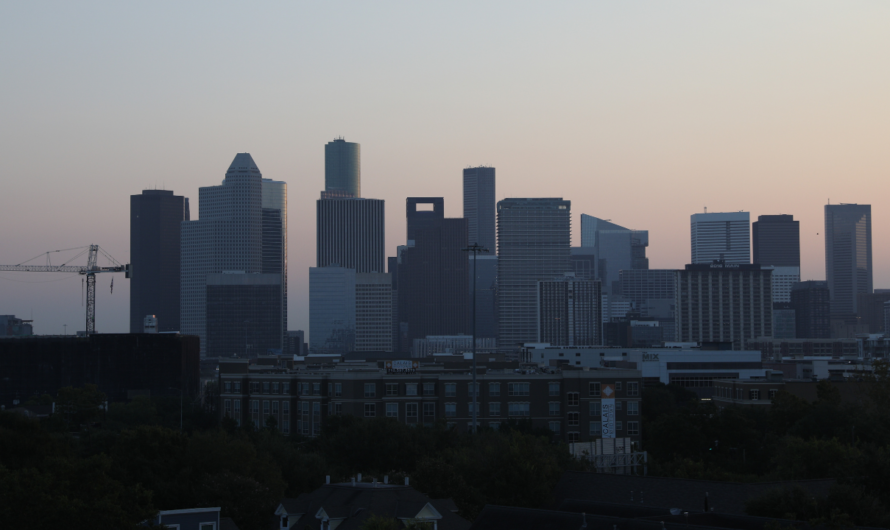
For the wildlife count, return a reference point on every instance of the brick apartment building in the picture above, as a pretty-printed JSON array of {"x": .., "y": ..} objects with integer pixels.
[{"x": 300, "y": 396}]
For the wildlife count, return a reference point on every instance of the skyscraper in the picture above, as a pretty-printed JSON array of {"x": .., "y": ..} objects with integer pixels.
[
  {"x": 569, "y": 311},
  {"x": 243, "y": 316},
  {"x": 479, "y": 206},
  {"x": 331, "y": 309},
  {"x": 350, "y": 233},
  {"x": 155, "y": 216},
  {"x": 434, "y": 274},
  {"x": 720, "y": 302},
  {"x": 811, "y": 301},
  {"x": 616, "y": 249},
  {"x": 373, "y": 311},
  {"x": 343, "y": 168},
  {"x": 848, "y": 265},
  {"x": 721, "y": 237},
  {"x": 230, "y": 236},
  {"x": 776, "y": 240},
  {"x": 534, "y": 238}
]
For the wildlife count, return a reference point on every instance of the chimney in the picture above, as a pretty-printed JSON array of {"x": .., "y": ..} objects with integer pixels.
[
  {"x": 327, "y": 479},
  {"x": 386, "y": 479},
  {"x": 406, "y": 481}
]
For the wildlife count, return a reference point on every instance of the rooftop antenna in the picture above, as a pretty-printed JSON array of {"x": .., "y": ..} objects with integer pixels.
[{"x": 706, "y": 209}]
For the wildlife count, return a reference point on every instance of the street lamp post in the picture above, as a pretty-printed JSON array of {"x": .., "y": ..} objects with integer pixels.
[{"x": 475, "y": 248}]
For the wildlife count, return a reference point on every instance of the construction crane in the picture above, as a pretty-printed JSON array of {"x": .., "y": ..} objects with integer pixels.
[{"x": 90, "y": 271}]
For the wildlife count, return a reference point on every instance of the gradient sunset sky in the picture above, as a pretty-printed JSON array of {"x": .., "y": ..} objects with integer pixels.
[{"x": 638, "y": 112}]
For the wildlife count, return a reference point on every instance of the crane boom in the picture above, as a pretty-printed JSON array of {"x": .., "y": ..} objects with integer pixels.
[{"x": 89, "y": 271}]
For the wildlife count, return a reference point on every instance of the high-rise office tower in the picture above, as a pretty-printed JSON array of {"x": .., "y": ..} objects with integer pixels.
[
  {"x": 720, "y": 302},
  {"x": 243, "y": 316},
  {"x": 275, "y": 240},
  {"x": 848, "y": 266},
  {"x": 871, "y": 309},
  {"x": 373, "y": 311},
  {"x": 784, "y": 279},
  {"x": 811, "y": 301},
  {"x": 784, "y": 320},
  {"x": 721, "y": 237},
  {"x": 486, "y": 267},
  {"x": 350, "y": 233},
  {"x": 228, "y": 236},
  {"x": 155, "y": 216},
  {"x": 569, "y": 311},
  {"x": 433, "y": 273},
  {"x": 776, "y": 240},
  {"x": 331, "y": 309},
  {"x": 479, "y": 206},
  {"x": 343, "y": 168},
  {"x": 534, "y": 241},
  {"x": 616, "y": 249},
  {"x": 583, "y": 261}
]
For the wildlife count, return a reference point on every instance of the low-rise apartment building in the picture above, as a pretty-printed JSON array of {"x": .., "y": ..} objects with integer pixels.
[{"x": 568, "y": 401}]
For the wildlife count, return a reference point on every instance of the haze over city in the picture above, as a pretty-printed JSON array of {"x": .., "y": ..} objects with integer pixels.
[{"x": 642, "y": 114}]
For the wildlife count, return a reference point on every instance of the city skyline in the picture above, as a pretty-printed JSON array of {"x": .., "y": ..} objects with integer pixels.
[{"x": 747, "y": 132}]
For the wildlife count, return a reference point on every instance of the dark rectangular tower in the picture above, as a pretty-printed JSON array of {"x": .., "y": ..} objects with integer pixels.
[
  {"x": 811, "y": 301},
  {"x": 776, "y": 240},
  {"x": 479, "y": 206},
  {"x": 848, "y": 265},
  {"x": 350, "y": 233},
  {"x": 154, "y": 256}
]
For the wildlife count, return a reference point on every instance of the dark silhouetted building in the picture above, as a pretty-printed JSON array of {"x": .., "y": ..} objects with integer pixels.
[
  {"x": 479, "y": 206},
  {"x": 776, "y": 240},
  {"x": 10, "y": 326},
  {"x": 583, "y": 262},
  {"x": 433, "y": 270},
  {"x": 784, "y": 321},
  {"x": 811, "y": 301},
  {"x": 848, "y": 259},
  {"x": 350, "y": 233},
  {"x": 486, "y": 268},
  {"x": 616, "y": 249},
  {"x": 724, "y": 302},
  {"x": 871, "y": 310},
  {"x": 534, "y": 242},
  {"x": 243, "y": 314},
  {"x": 343, "y": 168},
  {"x": 155, "y": 216},
  {"x": 122, "y": 365},
  {"x": 569, "y": 311}
]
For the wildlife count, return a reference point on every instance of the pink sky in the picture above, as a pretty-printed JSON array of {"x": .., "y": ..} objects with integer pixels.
[{"x": 642, "y": 113}]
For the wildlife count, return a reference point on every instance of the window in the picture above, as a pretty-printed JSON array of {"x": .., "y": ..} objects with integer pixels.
[
  {"x": 517, "y": 389},
  {"x": 370, "y": 391},
  {"x": 596, "y": 408},
  {"x": 338, "y": 408},
  {"x": 754, "y": 395},
  {"x": 518, "y": 409},
  {"x": 596, "y": 428},
  {"x": 338, "y": 389},
  {"x": 265, "y": 387},
  {"x": 595, "y": 389},
  {"x": 285, "y": 388},
  {"x": 574, "y": 437},
  {"x": 633, "y": 408},
  {"x": 494, "y": 409},
  {"x": 619, "y": 405},
  {"x": 207, "y": 526},
  {"x": 265, "y": 408},
  {"x": 553, "y": 389},
  {"x": 494, "y": 425},
  {"x": 392, "y": 389},
  {"x": 429, "y": 409},
  {"x": 238, "y": 411},
  {"x": 429, "y": 389},
  {"x": 772, "y": 393},
  {"x": 238, "y": 386},
  {"x": 285, "y": 407},
  {"x": 573, "y": 419},
  {"x": 470, "y": 389},
  {"x": 494, "y": 389},
  {"x": 330, "y": 389},
  {"x": 470, "y": 409},
  {"x": 285, "y": 426},
  {"x": 619, "y": 425},
  {"x": 254, "y": 388},
  {"x": 450, "y": 389},
  {"x": 392, "y": 410},
  {"x": 370, "y": 410},
  {"x": 574, "y": 398},
  {"x": 554, "y": 408},
  {"x": 274, "y": 407},
  {"x": 554, "y": 426},
  {"x": 411, "y": 410},
  {"x": 617, "y": 386},
  {"x": 316, "y": 389},
  {"x": 633, "y": 428},
  {"x": 227, "y": 386},
  {"x": 304, "y": 389},
  {"x": 228, "y": 407},
  {"x": 410, "y": 389},
  {"x": 633, "y": 389},
  {"x": 450, "y": 410},
  {"x": 275, "y": 387}
]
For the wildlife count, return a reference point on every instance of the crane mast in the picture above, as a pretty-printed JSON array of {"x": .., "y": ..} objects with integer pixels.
[{"x": 92, "y": 268}]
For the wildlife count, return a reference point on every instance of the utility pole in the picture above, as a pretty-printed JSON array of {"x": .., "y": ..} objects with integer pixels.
[{"x": 475, "y": 248}]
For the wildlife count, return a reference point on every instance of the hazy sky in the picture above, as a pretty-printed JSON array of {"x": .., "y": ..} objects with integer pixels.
[{"x": 639, "y": 112}]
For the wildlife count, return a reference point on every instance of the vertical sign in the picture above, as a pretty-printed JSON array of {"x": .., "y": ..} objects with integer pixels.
[{"x": 607, "y": 395}]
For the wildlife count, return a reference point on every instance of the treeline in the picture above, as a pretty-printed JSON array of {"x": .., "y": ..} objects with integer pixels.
[{"x": 122, "y": 464}]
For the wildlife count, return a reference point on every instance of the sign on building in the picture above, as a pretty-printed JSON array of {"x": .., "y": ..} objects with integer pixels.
[
  {"x": 401, "y": 367},
  {"x": 607, "y": 396}
]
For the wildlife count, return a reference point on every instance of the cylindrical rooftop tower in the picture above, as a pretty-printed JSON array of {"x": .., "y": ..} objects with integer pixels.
[{"x": 343, "y": 167}]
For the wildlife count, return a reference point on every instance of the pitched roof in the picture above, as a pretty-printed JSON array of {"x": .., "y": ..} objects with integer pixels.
[{"x": 664, "y": 492}]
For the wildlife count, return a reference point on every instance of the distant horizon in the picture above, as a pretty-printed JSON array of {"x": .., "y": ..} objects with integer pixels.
[{"x": 644, "y": 114}]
